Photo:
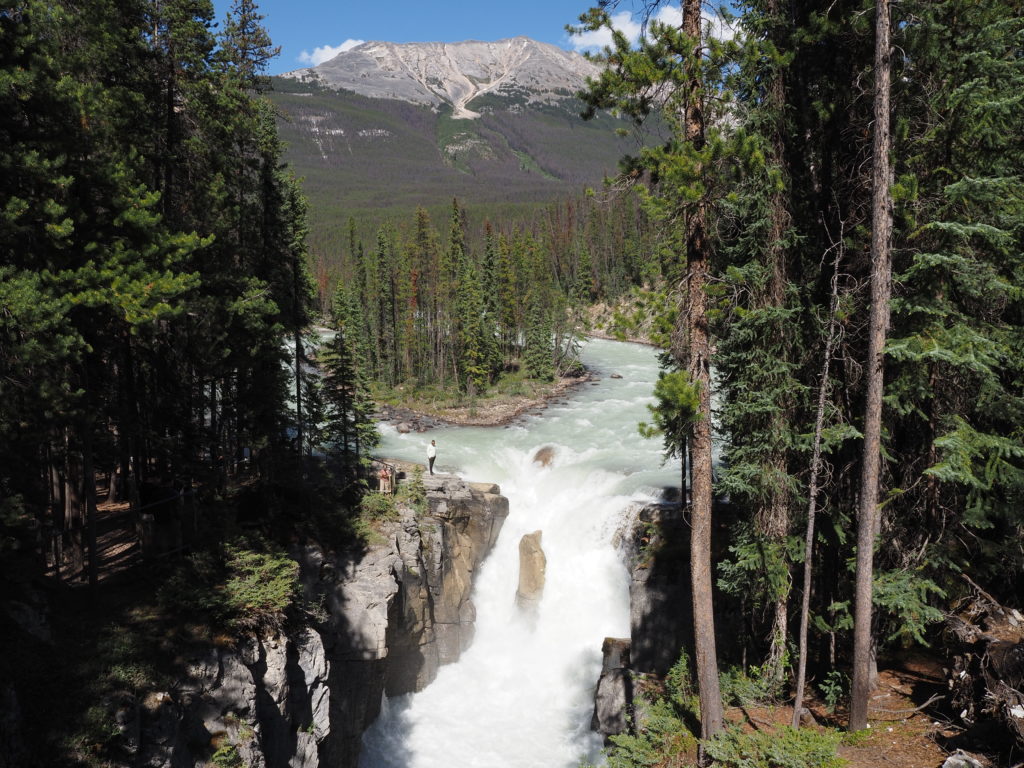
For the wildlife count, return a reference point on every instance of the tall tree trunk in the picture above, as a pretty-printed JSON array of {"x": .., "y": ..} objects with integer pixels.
[
  {"x": 812, "y": 487},
  {"x": 881, "y": 272},
  {"x": 774, "y": 516},
  {"x": 695, "y": 350},
  {"x": 89, "y": 495}
]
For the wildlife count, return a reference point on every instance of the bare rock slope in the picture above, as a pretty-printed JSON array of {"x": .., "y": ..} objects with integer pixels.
[{"x": 454, "y": 73}]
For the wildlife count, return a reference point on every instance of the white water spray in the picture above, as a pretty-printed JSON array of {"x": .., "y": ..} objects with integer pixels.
[{"x": 522, "y": 696}]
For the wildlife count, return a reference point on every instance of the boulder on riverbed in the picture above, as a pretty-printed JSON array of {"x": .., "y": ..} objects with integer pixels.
[{"x": 544, "y": 456}]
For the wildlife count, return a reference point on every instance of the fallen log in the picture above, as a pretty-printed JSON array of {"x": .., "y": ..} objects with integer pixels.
[{"x": 985, "y": 674}]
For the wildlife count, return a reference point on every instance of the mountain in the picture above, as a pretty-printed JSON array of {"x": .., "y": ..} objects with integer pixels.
[
  {"x": 455, "y": 73},
  {"x": 385, "y": 127}
]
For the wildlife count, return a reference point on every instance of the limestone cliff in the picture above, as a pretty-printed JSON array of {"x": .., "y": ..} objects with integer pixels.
[
  {"x": 654, "y": 544},
  {"x": 401, "y": 609},
  {"x": 393, "y": 612},
  {"x": 454, "y": 73}
]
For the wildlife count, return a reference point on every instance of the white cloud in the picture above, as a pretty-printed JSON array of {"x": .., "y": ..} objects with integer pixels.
[
  {"x": 592, "y": 41},
  {"x": 631, "y": 28},
  {"x": 327, "y": 52}
]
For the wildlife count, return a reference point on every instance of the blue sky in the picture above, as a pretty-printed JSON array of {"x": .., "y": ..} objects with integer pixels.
[{"x": 310, "y": 31}]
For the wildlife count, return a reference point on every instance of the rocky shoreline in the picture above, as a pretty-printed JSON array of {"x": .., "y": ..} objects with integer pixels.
[{"x": 482, "y": 414}]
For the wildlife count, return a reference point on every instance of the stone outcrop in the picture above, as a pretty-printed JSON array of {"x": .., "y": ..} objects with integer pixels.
[
  {"x": 387, "y": 617},
  {"x": 544, "y": 456},
  {"x": 655, "y": 546},
  {"x": 532, "y": 567},
  {"x": 656, "y": 549},
  {"x": 402, "y": 609},
  {"x": 614, "y": 695},
  {"x": 266, "y": 697}
]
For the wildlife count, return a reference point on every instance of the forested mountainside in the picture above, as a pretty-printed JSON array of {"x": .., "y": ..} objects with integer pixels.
[{"x": 373, "y": 158}]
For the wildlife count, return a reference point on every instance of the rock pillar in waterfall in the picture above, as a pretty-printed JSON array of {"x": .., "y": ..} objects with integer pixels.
[{"x": 532, "y": 566}]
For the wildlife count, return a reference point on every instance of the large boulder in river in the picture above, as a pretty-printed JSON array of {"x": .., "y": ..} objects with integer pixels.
[
  {"x": 544, "y": 456},
  {"x": 532, "y": 567}
]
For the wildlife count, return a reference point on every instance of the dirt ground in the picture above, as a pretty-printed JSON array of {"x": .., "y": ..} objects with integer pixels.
[{"x": 901, "y": 734}]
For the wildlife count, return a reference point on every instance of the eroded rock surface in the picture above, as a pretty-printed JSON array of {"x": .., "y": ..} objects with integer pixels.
[
  {"x": 532, "y": 568},
  {"x": 614, "y": 694},
  {"x": 389, "y": 616},
  {"x": 401, "y": 609}
]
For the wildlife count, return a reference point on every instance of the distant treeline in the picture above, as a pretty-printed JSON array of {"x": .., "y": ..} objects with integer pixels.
[{"x": 444, "y": 310}]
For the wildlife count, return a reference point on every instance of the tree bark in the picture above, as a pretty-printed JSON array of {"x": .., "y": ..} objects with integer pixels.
[
  {"x": 812, "y": 488},
  {"x": 697, "y": 355},
  {"x": 881, "y": 272}
]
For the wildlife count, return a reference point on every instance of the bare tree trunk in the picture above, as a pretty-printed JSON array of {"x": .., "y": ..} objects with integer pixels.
[
  {"x": 812, "y": 486},
  {"x": 881, "y": 273}
]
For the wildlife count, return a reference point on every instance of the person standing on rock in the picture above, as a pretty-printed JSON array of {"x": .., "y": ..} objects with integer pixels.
[{"x": 431, "y": 455}]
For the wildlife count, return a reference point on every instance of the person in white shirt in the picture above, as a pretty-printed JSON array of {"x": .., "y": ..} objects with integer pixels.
[{"x": 431, "y": 455}]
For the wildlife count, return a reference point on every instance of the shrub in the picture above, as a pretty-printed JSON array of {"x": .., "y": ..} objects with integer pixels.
[
  {"x": 413, "y": 493},
  {"x": 378, "y": 507},
  {"x": 227, "y": 757},
  {"x": 749, "y": 687},
  {"x": 785, "y": 748},
  {"x": 260, "y": 588},
  {"x": 253, "y": 590}
]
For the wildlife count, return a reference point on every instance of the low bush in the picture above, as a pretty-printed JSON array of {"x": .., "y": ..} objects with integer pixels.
[
  {"x": 785, "y": 748},
  {"x": 378, "y": 507},
  {"x": 252, "y": 590},
  {"x": 414, "y": 493}
]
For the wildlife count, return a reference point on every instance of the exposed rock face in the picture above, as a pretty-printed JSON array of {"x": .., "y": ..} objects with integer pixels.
[
  {"x": 661, "y": 615},
  {"x": 268, "y": 697},
  {"x": 614, "y": 694},
  {"x": 392, "y": 615},
  {"x": 532, "y": 567},
  {"x": 454, "y": 73},
  {"x": 402, "y": 609},
  {"x": 655, "y": 545}
]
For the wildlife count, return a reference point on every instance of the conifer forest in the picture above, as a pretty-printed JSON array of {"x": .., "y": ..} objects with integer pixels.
[{"x": 820, "y": 230}]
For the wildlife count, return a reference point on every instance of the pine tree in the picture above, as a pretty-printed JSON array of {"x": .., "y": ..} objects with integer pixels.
[{"x": 349, "y": 428}]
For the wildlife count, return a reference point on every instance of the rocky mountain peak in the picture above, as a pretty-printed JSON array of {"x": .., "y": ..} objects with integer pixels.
[{"x": 454, "y": 73}]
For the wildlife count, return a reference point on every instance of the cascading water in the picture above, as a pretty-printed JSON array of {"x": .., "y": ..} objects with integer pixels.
[{"x": 521, "y": 696}]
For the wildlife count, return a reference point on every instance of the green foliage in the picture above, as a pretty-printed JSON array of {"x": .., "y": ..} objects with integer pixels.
[
  {"x": 904, "y": 596},
  {"x": 785, "y": 748},
  {"x": 227, "y": 756},
  {"x": 260, "y": 588},
  {"x": 678, "y": 398},
  {"x": 253, "y": 590},
  {"x": 539, "y": 350},
  {"x": 835, "y": 688},
  {"x": 758, "y": 568},
  {"x": 378, "y": 507},
  {"x": 751, "y": 686},
  {"x": 413, "y": 493},
  {"x": 662, "y": 727}
]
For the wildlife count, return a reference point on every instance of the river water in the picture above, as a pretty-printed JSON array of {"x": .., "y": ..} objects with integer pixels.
[{"x": 522, "y": 696}]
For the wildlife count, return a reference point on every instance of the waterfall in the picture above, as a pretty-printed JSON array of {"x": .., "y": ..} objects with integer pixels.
[{"x": 521, "y": 695}]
